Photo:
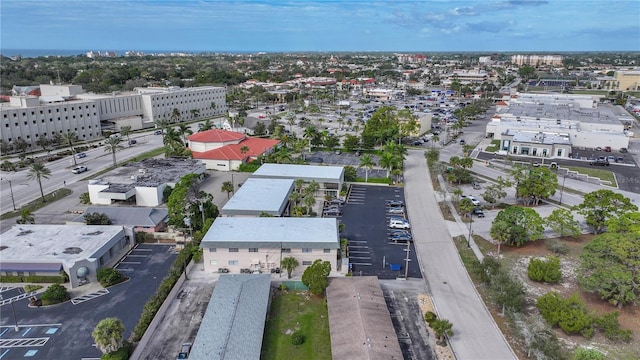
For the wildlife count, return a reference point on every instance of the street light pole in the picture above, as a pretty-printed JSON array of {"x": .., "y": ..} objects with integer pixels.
[
  {"x": 562, "y": 190},
  {"x": 11, "y": 190},
  {"x": 470, "y": 232},
  {"x": 406, "y": 261}
]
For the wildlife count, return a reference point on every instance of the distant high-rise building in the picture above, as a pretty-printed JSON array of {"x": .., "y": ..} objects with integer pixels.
[{"x": 536, "y": 59}]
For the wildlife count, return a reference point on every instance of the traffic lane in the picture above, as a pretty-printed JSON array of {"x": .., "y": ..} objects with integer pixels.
[
  {"x": 366, "y": 225},
  {"x": 124, "y": 301}
]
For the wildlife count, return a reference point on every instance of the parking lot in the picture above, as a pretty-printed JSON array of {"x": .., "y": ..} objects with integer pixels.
[
  {"x": 371, "y": 253},
  {"x": 64, "y": 331}
]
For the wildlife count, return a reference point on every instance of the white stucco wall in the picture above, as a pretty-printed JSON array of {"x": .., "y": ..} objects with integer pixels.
[{"x": 149, "y": 196}]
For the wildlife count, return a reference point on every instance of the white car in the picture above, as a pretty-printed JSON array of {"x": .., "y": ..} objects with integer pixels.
[
  {"x": 475, "y": 201},
  {"x": 79, "y": 169},
  {"x": 399, "y": 224}
]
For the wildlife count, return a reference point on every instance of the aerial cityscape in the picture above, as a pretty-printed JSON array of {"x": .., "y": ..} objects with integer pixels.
[{"x": 319, "y": 179}]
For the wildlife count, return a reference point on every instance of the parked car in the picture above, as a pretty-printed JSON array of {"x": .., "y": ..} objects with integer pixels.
[
  {"x": 623, "y": 150},
  {"x": 475, "y": 201},
  {"x": 313, "y": 159},
  {"x": 462, "y": 142},
  {"x": 335, "y": 202},
  {"x": 133, "y": 141},
  {"x": 475, "y": 185},
  {"x": 611, "y": 158},
  {"x": 185, "y": 349},
  {"x": 81, "y": 155},
  {"x": 394, "y": 203},
  {"x": 245, "y": 271},
  {"x": 223, "y": 270},
  {"x": 398, "y": 232},
  {"x": 620, "y": 159},
  {"x": 79, "y": 169},
  {"x": 607, "y": 148},
  {"x": 157, "y": 132},
  {"x": 599, "y": 162},
  {"x": 598, "y": 148},
  {"x": 332, "y": 212},
  {"x": 395, "y": 210},
  {"x": 478, "y": 212},
  {"x": 399, "y": 224},
  {"x": 401, "y": 238}
]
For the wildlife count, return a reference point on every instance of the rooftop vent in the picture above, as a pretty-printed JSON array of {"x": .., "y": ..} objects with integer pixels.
[
  {"x": 98, "y": 232},
  {"x": 72, "y": 250},
  {"x": 24, "y": 232}
]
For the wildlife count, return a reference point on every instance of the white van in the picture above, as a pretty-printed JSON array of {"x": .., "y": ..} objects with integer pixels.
[{"x": 399, "y": 224}]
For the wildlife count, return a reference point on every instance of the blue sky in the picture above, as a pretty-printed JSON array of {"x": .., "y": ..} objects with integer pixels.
[{"x": 353, "y": 25}]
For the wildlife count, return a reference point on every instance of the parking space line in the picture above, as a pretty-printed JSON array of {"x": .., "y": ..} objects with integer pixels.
[
  {"x": 26, "y": 332},
  {"x": 6, "y": 288},
  {"x": 4, "y": 331},
  {"x": 130, "y": 262},
  {"x": 362, "y": 264},
  {"x": 4, "y": 353},
  {"x": 133, "y": 255},
  {"x": 358, "y": 252},
  {"x": 141, "y": 249}
]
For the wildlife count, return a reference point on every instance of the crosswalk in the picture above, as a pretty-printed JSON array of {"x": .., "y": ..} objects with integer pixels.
[{"x": 93, "y": 295}]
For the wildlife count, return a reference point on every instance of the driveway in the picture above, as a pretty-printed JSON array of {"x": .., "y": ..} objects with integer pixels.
[{"x": 476, "y": 334}]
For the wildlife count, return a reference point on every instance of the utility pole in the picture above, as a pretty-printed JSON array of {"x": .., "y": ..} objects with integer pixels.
[
  {"x": 470, "y": 232},
  {"x": 12, "y": 199}
]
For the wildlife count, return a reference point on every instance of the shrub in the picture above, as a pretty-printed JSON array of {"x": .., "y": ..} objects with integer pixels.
[
  {"x": 550, "y": 306},
  {"x": 7, "y": 166},
  {"x": 249, "y": 167},
  {"x": 33, "y": 279},
  {"x": 297, "y": 338},
  {"x": 55, "y": 294},
  {"x": 610, "y": 325},
  {"x": 84, "y": 198},
  {"x": 545, "y": 270},
  {"x": 109, "y": 276},
  {"x": 430, "y": 316},
  {"x": 121, "y": 354},
  {"x": 30, "y": 288},
  {"x": 588, "y": 354},
  {"x": 557, "y": 247},
  {"x": 574, "y": 317}
]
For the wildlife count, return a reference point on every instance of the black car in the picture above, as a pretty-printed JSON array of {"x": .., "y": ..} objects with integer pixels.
[
  {"x": 394, "y": 203},
  {"x": 393, "y": 233},
  {"x": 332, "y": 212},
  {"x": 335, "y": 202},
  {"x": 478, "y": 212},
  {"x": 600, "y": 162},
  {"x": 401, "y": 238}
]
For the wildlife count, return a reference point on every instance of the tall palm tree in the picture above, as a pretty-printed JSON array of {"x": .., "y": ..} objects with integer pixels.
[
  {"x": 295, "y": 198},
  {"x": 227, "y": 187},
  {"x": 313, "y": 187},
  {"x": 38, "y": 171},
  {"x": 434, "y": 140},
  {"x": 388, "y": 161},
  {"x": 310, "y": 133},
  {"x": 184, "y": 131},
  {"x": 289, "y": 264},
  {"x": 125, "y": 131},
  {"x": 194, "y": 113},
  {"x": 112, "y": 144},
  {"x": 308, "y": 201},
  {"x": 244, "y": 149},
  {"x": 291, "y": 119},
  {"x": 68, "y": 138},
  {"x": 175, "y": 115},
  {"x": 207, "y": 125},
  {"x": 366, "y": 161}
]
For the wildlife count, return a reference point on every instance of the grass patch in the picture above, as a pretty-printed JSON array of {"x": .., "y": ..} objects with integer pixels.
[
  {"x": 446, "y": 211},
  {"x": 604, "y": 175},
  {"x": 302, "y": 312},
  {"x": 38, "y": 204},
  {"x": 375, "y": 180},
  {"x": 495, "y": 145}
]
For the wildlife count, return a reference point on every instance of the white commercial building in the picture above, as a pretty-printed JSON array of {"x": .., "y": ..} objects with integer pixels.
[
  {"x": 260, "y": 243},
  {"x": 192, "y": 103},
  {"x": 45, "y": 250},
  {"x": 260, "y": 196},
  {"x": 330, "y": 178}
]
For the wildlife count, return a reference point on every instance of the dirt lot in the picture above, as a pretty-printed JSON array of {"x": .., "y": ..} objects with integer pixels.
[{"x": 518, "y": 259}]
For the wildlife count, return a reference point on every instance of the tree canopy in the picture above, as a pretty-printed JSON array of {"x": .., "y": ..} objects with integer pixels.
[
  {"x": 609, "y": 267},
  {"x": 534, "y": 184},
  {"x": 516, "y": 225},
  {"x": 316, "y": 276},
  {"x": 108, "y": 335},
  {"x": 601, "y": 205}
]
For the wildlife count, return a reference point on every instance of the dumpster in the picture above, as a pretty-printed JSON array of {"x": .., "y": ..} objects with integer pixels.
[{"x": 394, "y": 267}]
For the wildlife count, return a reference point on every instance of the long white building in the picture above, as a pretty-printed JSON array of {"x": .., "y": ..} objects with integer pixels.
[{"x": 63, "y": 108}]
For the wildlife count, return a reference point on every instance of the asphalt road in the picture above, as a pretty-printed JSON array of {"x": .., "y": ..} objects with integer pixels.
[
  {"x": 476, "y": 334},
  {"x": 24, "y": 190}
]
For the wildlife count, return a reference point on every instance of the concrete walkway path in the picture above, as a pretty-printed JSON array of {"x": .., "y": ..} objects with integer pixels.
[{"x": 476, "y": 336}]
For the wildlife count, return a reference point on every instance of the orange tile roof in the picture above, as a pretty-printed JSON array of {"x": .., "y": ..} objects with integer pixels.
[
  {"x": 256, "y": 146},
  {"x": 216, "y": 136},
  {"x": 501, "y": 103}
]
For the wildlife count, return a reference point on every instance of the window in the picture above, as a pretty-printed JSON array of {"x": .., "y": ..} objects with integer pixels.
[
  {"x": 326, "y": 251},
  {"x": 20, "y": 273},
  {"x": 253, "y": 249},
  {"x": 233, "y": 249},
  {"x": 286, "y": 250},
  {"x": 8, "y": 273},
  {"x": 213, "y": 262},
  {"x": 212, "y": 249},
  {"x": 32, "y": 273},
  {"x": 307, "y": 263},
  {"x": 233, "y": 262},
  {"x": 307, "y": 250}
]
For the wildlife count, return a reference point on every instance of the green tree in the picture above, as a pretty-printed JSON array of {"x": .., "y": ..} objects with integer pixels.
[
  {"x": 184, "y": 131},
  {"x": 68, "y": 138},
  {"x": 388, "y": 161},
  {"x": 507, "y": 291},
  {"x": 627, "y": 222},
  {"x": 466, "y": 206},
  {"x": 366, "y": 161},
  {"x": 109, "y": 276},
  {"x": 43, "y": 142},
  {"x": 175, "y": 115},
  {"x": 601, "y": 205},
  {"x": 442, "y": 327},
  {"x": 609, "y": 267},
  {"x": 227, "y": 187},
  {"x": 55, "y": 294},
  {"x": 184, "y": 193},
  {"x": 493, "y": 193},
  {"x": 126, "y": 131},
  {"x": 534, "y": 184},
  {"x": 351, "y": 142},
  {"x": 316, "y": 276},
  {"x": 259, "y": 129},
  {"x": 38, "y": 171},
  {"x": 527, "y": 72},
  {"x": 432, "y": 155},
  {"x": 25, "y": 217},
  {"x": 516, "y": 225},
  {"x": 289, "y": 264},
  {"x": 350, "y": 173},
  {"x": 457, "y": 193},
  {"x": 112, "y": 145},
  {"x": 561, "y": 221},
  {"x": 108, "y": 335},
  {"x": 206, "y": 125},
  {"x": 588, "y": 354},
  {"x": 96, "y": 219}
]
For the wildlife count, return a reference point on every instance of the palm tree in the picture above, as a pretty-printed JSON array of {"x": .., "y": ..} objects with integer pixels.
[
  {"x": 313, "y": 187},
  {"x": 125, "y": 131},
  {"x": 38, "y": 171},
  {"x": 207, "y": 125},
  {"x": 162, "y": 124},
  {"x": 108, "y": 335},
  {"x": 434, "y": 140},
  {"x": 25, "y": 217},
  {"x": 308, "y": 201},
  {"x": 291, "y": 119},
  {"x": 295, "y": 198},
  {"x": 388, "y": 161},
  {"x": 244, "y": 149},
  {"x": 289, "y": 264},
  {"x": 310, "y": 133},
  {"x": 43, "y": 142},
  {"x": 227, "y": 187},
  {"x": 194, "y": 113},
  {"x": 112, "y": 144},
  {"x": 68, "y": 138},
  {"x": 366, "y": 161},
  {"x": 184, "y": 130},
  {"x": 175, "y": 115},
  {"x": 299, "y": 185}
]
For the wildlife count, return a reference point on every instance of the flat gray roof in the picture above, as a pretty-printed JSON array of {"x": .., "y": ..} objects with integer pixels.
[
  {"x": 563, "y": 112},
  {"x": 260, "y": 195},
  {"x": 360, "y": 324},
  {"x": 150, "y": 172},
  {"x": 306, "y": 172},
  {"x": 540, "y": 138},
  {"x": 127, "y": 215},
  {"x": 272, "y": 232},
  {"x": 55, "y": 243},
  {"x": 233, "y": 325}
]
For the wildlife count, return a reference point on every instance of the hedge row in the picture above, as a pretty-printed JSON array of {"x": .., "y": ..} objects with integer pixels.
[{"x": 33, "y": 279}]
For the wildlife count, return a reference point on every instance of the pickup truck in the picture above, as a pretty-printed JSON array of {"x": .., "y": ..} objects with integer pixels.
[{"x": 79, "y": 169}]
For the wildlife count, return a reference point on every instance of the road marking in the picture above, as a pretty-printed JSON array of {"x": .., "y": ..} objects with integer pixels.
[
  {"x": 25, "y": 325},
  {"x": 81, "y": 299},
  {"x": 358, "y": 252},
  {"x": 4, "y": 353},
  {"x": 4, "y": 331},
  {"x": 362, "y": 264},
  {"x": 126, "y": 269},
  {"x": 141, "y": 249},
  {"x": 12, "y": 343},
  {"x": 6, "y": 288},
  {"x": 16, "y": 298},
  {"x": 26, "y": 332},
  {"x": 360, "y": 257},
  {"x": 130, "y": 262},
  {"x": 132, "y": 255}
]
